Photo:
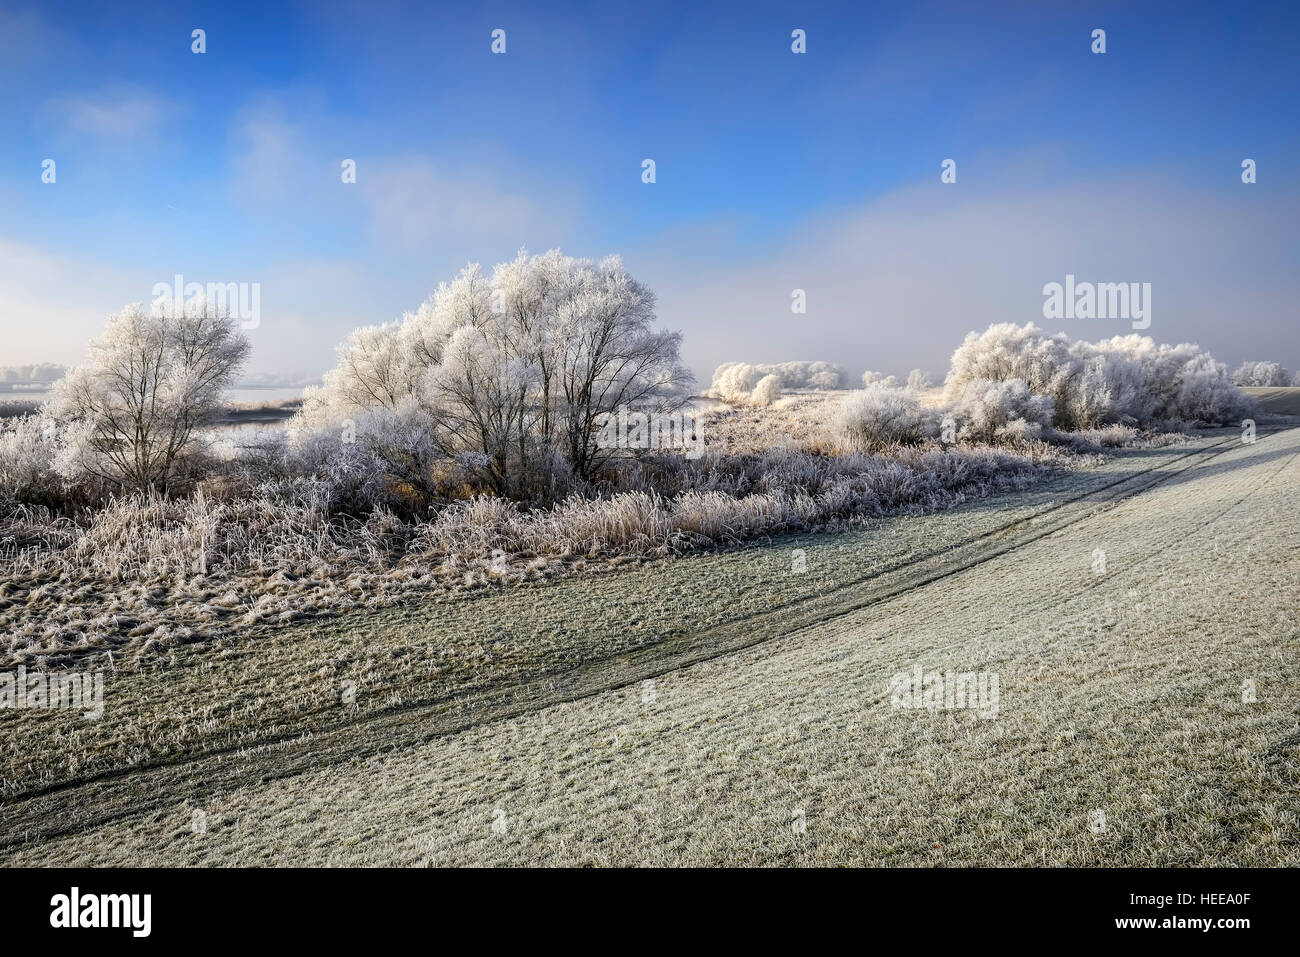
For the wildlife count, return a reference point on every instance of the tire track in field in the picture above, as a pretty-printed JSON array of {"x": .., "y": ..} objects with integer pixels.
[
  {"x": 1157, "y": 546},
  {"x": 159, "y": 787},
  {"x": 1183, "y": 535}
]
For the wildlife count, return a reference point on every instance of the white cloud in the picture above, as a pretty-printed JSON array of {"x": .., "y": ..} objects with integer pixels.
[
  {"x": 120, "y": 115},
  {"x": 414, "y": 199},
  {"x": 26, "y": 38},
  {"x": 286, "y": 163},
  {"x": 270, "y": 154}
]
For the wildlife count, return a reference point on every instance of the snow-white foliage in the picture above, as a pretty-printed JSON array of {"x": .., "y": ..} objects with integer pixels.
[
  {"x": 879, "y": 378},
  {"x": 743, "y": 384},
  {"x": 1261, "y": 375},
  {"x": 878, "y": 416},
  {"x": 918, "y": 380},
  {"x": 1126, "y": 379},
  {"x": 1001, "y": 412},
  {"x": 28, "y": 448},
  {"x": 804, "y": 375},
  {"x": 767, "y": 391},
  {"x": 516, "y": 365},
  {"x": 1206, "y": 394},
  {"x": 736, "y": 381},
  {"x": 131, "y": 416}
]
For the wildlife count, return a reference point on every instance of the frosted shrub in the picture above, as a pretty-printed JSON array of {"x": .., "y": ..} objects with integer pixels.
[
  {"x": 1112, "y": 388},
  {"x": 870, "y": 378},
  {"x": 1261, "y": 375},
  {"x": 1127, "y": 379},
  {"x": 736, "y": 381},
  {"x": 823, "y": 376},
  {"x": 1007, "y": 351},
  {"x": 1007, "y": 411},
  {"x": 402, "y": 438},
  {"x": 27, "y": 460},
  {"x": 1207, "y": 394},
  {"x": 917, "y": 380},
  {"x": 743, "y": 384},
  {"x": 767, "y": 391},
  {"x": 378, "y": 460},
  {"x": 733, "y": 381},
  {"x": 878, "y": 416}
]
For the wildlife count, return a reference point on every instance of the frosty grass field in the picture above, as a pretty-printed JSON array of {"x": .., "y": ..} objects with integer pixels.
[
  {"x": 733, "y": 706},
  {"x": 464, "y": 603}
]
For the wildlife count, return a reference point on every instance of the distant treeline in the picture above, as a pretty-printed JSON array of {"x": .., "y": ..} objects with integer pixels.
[
  {"x": 40, "y": 372},
  {"x": 14, "y": 378},
  {"x": 277, "y": 380}
]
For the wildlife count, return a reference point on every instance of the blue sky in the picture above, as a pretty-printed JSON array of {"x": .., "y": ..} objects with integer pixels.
[{"x": 775, "y": 171}]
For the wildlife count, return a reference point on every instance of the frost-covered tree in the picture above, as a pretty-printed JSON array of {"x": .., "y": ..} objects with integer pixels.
[
  {"x": 810, "y": 375},
  {"x": 1126, "y": 379},
  {"x": 516, "y": 366},
  {"x": 1008, "y": 351},
  {"x": 132, "y": 415},
  {"x": 37, "y": 372},
  {"x": 736, "y": 381},
  {"x": 1261, "y": 375},
  {"x": 870, "y": 378},
  {"x": 606, "y": 355},
  {"x": 918, "y": 380}
]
